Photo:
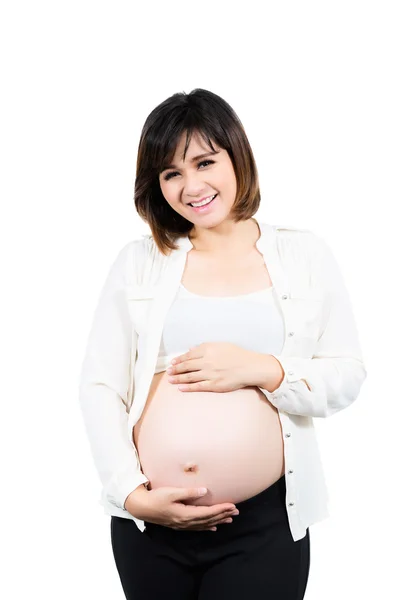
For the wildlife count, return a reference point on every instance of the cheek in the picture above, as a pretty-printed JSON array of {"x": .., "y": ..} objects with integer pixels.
[
  {"x": 165, "y": 192},
  {"x": 228, "y": 182},
  {"x": 171, "y": 197}
]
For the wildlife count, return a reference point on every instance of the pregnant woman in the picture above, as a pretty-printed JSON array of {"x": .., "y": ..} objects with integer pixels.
[{"x": 216, "y": 341}]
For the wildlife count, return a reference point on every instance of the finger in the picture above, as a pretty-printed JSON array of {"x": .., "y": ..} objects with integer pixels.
[
  {"x": 187, "y": 366},
  {"x": 220, "y": 521},
  {"x": 207, "y": 525},
  {"x": 212, "y": 526},
  {"x": 203, "y": 513},
  {"x": 191, "y": 377},
  {"x": 230, "y": 520},
  {"x": 214, "y": 518}
]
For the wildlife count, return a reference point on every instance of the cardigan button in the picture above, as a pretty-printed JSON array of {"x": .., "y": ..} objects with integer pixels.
[
  {"x": 288, "y": 434},
  {"x": 290, "y": 471},
  {"x": 290, "y": 372},
  {"x": 291, "y": 503},
  {"x": 284, "y": 297},
  {"x": 291, "y": 333}
]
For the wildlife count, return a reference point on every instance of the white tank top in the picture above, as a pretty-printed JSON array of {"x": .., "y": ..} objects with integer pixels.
[{"x": 253, "y": 321}]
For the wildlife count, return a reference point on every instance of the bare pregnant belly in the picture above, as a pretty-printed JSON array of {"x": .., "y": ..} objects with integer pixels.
[{"x": 230, "y": 443}]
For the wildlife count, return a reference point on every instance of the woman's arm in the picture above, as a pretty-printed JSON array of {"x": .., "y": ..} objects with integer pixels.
[
  {"x": 103, "y": 388},
  {"x": 331, "y": 380}
]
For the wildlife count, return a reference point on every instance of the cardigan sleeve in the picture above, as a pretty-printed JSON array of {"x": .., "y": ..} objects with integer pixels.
[
  {"x": 331, "y": 380},
  {"x": 103, "y": 388}
]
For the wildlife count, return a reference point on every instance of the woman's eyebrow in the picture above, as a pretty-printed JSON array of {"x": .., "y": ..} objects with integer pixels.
[{"x": 193, "y": 160}]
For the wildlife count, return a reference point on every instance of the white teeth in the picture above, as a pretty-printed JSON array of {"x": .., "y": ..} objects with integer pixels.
[{"x": 206, "y": 201}]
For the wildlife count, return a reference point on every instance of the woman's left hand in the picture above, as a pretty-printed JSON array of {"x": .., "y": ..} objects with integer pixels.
[{"x": 212, "y": 367}]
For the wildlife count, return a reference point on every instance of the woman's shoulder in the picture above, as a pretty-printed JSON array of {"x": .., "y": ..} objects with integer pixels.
[
  {"x": 298, "y": 236},
  {"x": 291, "y": 230},
  {"x": 144, "y": 260},
  {"x": 298, "y": 244}
]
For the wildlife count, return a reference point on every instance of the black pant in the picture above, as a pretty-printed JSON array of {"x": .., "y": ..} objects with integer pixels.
[{"x": 253, "y": 558}]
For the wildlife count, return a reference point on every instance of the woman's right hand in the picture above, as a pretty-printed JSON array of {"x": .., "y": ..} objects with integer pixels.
[{"x": 165, "y": 506}]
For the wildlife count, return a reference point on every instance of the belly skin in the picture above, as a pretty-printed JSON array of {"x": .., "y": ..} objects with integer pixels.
[{"x": 230, "y": 443}]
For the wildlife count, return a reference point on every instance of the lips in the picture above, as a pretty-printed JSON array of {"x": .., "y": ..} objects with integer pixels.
[
  {"x": 209, "y": 198},
  {"x": 207, "y": 207}
]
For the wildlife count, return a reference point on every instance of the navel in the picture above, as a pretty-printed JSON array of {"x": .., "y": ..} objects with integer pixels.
[{"x": 190, "y": 467}]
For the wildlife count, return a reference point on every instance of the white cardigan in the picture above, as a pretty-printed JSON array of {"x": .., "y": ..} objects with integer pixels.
[{"x": 321, "y": 358}]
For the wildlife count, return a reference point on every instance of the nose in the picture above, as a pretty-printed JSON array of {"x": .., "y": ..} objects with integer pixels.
[{"x": 194, "y": 187}]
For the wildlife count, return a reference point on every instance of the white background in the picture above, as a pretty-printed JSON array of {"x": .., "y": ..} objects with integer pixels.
[{"x": 316, "y": 85}]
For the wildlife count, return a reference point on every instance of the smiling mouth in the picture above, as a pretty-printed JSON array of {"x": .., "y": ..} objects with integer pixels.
[{"x": 211, "y": 198}]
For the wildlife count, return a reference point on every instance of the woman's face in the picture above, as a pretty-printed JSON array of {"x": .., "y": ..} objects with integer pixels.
[{"x": 193, "y": 180}]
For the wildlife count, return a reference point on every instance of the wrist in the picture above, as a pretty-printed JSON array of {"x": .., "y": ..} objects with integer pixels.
[
  {"x": 276, "y": 374},
  {"x": 267, "y": 372},
  {"x": 136, "y": 500}
]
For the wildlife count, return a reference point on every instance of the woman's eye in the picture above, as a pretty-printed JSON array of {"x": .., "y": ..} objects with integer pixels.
[{"x": 200, "y": 163}]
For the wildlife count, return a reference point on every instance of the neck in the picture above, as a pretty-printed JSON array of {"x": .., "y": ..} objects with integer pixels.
[{"x": 228, "y": 238}]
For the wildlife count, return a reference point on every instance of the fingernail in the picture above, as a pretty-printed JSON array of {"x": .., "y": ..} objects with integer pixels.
[{"x": 235, "y": 512}]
